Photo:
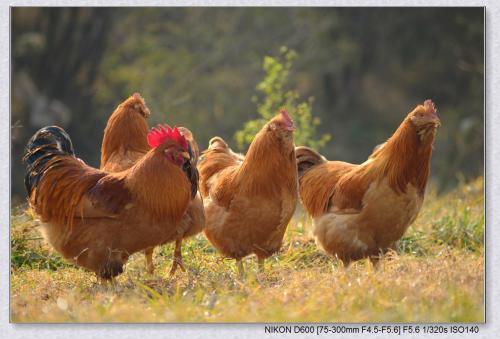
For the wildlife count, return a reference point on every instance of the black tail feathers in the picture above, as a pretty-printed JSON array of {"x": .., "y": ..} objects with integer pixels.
[{"x": 43, "y": 146}]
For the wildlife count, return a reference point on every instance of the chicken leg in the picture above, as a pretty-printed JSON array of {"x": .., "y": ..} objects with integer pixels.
[
  {"x": 150, "y": 266},
  {"x": 260, "y": 262},
  {"x": 241, "y": 269},
  {"x": 177, "y": 261}
]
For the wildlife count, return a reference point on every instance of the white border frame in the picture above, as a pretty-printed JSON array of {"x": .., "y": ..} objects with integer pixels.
[{"x": 125, "y": 331}]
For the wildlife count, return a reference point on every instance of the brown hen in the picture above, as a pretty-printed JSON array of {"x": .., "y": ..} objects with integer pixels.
[
  {"x": 250, "y": 200},
  {"x": 362, "y": 210}
]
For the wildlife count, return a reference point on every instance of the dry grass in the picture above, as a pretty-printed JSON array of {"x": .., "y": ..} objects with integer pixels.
[{"x": 438, "y": 276}]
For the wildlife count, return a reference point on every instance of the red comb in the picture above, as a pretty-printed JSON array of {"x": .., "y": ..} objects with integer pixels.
[
  {"x": 287, "y": 120},
  {"x": 285, "y": 115},
  {"x": 429, "y": 106},
  {"x": 160, "y": 134}
]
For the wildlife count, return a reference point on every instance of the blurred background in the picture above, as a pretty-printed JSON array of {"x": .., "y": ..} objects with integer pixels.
[{"x": 356, "y": 72}]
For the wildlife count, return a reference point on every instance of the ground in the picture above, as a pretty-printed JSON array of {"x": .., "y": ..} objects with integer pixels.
[{"x": 436, "y": 275}]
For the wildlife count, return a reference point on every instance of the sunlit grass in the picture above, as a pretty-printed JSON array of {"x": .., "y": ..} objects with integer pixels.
[{"x": 436, "y": 276}]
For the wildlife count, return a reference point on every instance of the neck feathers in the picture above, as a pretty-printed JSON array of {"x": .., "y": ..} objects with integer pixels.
[
  {"x": 269, "y": 165},
  {"x": 160, "y": 187},
  {"x": 126, "y": 129},
  {"x": 404, "y": 158}
]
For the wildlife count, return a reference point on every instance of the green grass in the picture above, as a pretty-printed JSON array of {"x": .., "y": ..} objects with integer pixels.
[{"x": 437, "y": 275}]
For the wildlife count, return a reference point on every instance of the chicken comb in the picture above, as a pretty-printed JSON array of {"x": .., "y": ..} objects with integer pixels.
[
  {"x": 285, "y": 117},
  {"x": 285, "y": 114},
  {"x": 162, "y": 133},
  {"x": 430, "y": 107}
]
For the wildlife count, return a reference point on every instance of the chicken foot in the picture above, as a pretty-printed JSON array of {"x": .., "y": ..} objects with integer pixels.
[{"x": 177, "y": 261}]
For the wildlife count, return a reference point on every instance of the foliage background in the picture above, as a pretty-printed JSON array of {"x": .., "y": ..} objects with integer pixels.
[{"x": 362, "y": 69}]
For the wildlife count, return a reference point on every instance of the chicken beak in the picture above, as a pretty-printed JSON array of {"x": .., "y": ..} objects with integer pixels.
[
  {"x": 185, "y": 155},
  {"x": 436, "y": 121}
]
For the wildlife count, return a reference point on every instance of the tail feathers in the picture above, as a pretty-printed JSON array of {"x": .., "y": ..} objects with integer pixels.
[
  {"x": 41, "y": 148},
  {"x": 216, "y": 158},
  {"x": 217, "y": 143},
  {"x": 307, "y": 158}
]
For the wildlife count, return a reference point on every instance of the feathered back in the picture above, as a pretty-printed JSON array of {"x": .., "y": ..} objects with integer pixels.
[
  {"x": 56, "y": 180},
  {"x": 403, "y": 159},
  {"x": 267, "y": 168},
  {"x": 317, "y": 185},
  {"x": 216, "y": 158},
  {"x": 126, "y": 129},
  {"x": 65, "y": 181}
]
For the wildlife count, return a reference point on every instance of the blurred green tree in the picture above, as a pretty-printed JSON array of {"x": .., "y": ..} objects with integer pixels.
[
  {"x": 199, "y": 67},
  {"x": 274, "y": 96}
]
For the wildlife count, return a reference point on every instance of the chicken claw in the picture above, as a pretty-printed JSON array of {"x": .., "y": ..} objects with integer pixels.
[{"x": 177, "y": 261}]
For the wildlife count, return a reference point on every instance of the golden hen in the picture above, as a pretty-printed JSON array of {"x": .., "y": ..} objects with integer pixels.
[
  {"x": 362, "y": 210},
  {"x": 250, "y": 200}
]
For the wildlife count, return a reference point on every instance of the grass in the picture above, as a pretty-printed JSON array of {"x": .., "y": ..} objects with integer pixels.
[{"x": 437, "y": 275}]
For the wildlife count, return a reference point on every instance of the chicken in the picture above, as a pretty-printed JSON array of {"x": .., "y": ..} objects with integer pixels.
[
  {"x": 361, "y": 210},
  {"x": 250, "y": 200},
  {"x": 97, "y": 219},
  {"x": 124, "y": 143},
  {"x": 193, "y": 221}
]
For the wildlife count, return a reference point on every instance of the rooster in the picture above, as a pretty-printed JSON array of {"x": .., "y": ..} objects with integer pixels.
[
  {"x": 97, "y": 219},
  {"x": 362, "y": 210},
  {"x": 125, "y": 143},
  {"x": 250, "y": 200}
]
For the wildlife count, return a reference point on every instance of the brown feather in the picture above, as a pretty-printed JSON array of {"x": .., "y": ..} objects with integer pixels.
[
  {"x": 125, "y": 134},
  {"x": 402, "y": 159},
  {"x": 65, "y": 181},
  {"x": 317, "y": 185},
  {"x": 214, "y": 161},
  {"x": 160, "y": 186},
  {"x": 125, "y": 143},
  {"x": 307, "y": 158},
  {"x": 87, "y": 214},
  {"x": 250, "y": 200},
  {"x": 362, "y": 210},
  {"x": 110, "y": 194},
  {"x": 266, "y": 157}
]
